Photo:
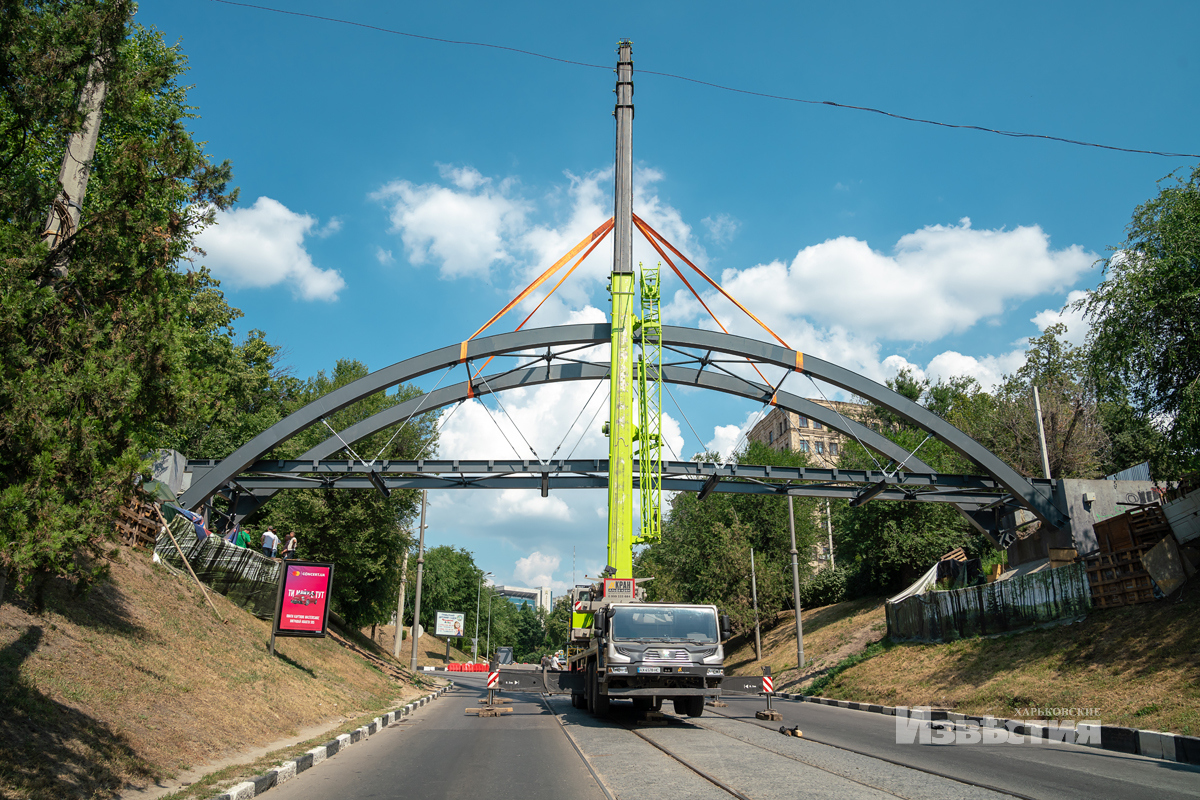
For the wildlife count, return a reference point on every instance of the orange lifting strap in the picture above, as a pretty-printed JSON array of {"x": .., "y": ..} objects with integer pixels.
[{"x": 594, "y": 236}]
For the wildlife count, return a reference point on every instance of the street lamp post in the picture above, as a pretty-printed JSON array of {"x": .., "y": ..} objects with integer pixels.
[
  {"x": 475, "y": 640},
  {"x": 488, "y": 655}
]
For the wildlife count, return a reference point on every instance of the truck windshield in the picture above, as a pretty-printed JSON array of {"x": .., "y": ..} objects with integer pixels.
[{"x": 664, "y": 624}]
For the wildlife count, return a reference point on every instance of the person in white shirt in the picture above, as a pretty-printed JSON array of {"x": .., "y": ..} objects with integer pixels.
[{"x": 270, "y": 542}]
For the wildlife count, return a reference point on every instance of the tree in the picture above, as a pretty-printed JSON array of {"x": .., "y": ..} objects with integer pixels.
[
  {"x": 1144, "y": 344},
  {"x": 362, "y": 532},
  {"x": 704, "y": 554},
  {"x": 94, "y": 367}
]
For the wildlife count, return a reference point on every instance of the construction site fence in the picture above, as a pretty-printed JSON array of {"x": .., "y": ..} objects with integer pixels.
[
  {"x": 456, "y": 667},
  {"x": 245, "y": 576},
  {"x": 1024, "y": 601}
]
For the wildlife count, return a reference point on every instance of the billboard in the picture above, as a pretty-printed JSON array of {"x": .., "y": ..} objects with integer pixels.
[
  {"x": 302, "y": 606},
  {"x": 449, "y": 624}
]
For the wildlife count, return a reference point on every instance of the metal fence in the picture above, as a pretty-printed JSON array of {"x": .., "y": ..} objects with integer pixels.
[
  {"x": 245, "y": 576},
  {"x": 1020, "y": 602}
]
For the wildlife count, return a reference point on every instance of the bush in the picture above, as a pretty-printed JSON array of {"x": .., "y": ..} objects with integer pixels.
[{"x": 826, "y": 587}]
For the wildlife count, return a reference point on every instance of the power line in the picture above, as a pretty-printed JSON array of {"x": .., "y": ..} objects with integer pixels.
[{"x": 722, "y": 87}]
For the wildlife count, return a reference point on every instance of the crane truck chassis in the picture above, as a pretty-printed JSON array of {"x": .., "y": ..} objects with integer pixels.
[{"x": 645, "y": 652}]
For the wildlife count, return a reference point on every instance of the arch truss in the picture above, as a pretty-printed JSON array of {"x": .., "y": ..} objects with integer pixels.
[{"x": 702, "y": 359}]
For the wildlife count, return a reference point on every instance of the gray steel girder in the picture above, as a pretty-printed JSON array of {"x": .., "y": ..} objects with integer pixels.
[{"x": 1037, "y": 499}]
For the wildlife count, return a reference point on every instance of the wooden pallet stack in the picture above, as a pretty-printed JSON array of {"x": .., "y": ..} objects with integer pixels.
[
  {"x": 137, "y": 524},
  {"x": 1116, "y": 574}
]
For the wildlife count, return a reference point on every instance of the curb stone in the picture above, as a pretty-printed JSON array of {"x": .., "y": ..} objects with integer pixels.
[
  {"x": 290, "y": 769},
  {"x": 1151, "y": 744}
]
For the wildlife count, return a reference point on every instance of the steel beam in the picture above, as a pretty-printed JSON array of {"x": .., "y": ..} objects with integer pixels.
[{"x": 1038, "y": 498}]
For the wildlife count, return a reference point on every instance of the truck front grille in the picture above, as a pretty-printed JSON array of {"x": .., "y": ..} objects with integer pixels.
[{"x": 667, "y": 656}]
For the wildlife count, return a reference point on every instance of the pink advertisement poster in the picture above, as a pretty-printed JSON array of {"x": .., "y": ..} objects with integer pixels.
[{"x": 305, "y": 598}]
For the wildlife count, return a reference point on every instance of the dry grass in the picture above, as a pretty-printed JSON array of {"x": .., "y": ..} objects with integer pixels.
[
  {"x": 431, "y": 651},
  {"x": 831, "y": 633},
  {"x": 1138, "y": 666},
  {"x": 140, "y": 680}
]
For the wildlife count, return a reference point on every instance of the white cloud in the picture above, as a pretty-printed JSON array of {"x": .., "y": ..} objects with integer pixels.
[
  {"x": 937, "y": 281},
  {"x": 537, "y": 569},
  {"x": 384, "y": 257},
  {"x": 263, "y": 245},
  {"x": 721, "y": 228},
  {"x": 329, "y": 229},
  {"x": 988, "y": 370},
  {"x": 1077, "y": 325},
  {"x": 463, "y": 229}
]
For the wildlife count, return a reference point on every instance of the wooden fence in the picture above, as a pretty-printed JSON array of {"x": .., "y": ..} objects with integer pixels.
[{"x": 1019, "y": 602}]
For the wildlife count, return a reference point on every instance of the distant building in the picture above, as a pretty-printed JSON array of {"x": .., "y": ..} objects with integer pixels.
[
  {"x": 787, "y": 430},
  {"x": 519, "y": 596}
]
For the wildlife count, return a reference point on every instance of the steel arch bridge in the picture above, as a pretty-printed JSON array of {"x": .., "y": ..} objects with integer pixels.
[{"x": 556, "y": 354}]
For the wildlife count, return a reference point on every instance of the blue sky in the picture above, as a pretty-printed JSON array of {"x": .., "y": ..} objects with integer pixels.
[{"x": 395, "y": 192}]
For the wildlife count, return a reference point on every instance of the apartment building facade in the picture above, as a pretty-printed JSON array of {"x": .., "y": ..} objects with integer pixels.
[{"x": 787, "y": 430}]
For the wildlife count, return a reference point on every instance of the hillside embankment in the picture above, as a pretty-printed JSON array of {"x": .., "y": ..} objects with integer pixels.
[
  {"x": 1136, "y": 666},
  {"x": 140, "y": 681}
]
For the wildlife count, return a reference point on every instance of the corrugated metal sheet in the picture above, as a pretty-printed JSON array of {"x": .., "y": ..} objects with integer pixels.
[
  {"x": 1014, "y": 604},
  {"x": 1138, "y": 472}
]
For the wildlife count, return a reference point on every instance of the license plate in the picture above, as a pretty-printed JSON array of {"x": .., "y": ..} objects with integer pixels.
[{"x": 649, "y": 669}]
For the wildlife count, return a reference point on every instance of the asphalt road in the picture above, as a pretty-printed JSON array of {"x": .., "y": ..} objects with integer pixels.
[
  {"x": 439, "y": 752},
  {"x": 530, "y": 754},
  {"x": 1057, "y": 771}
]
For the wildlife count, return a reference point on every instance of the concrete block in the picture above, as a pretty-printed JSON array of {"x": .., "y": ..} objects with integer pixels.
[
  {"x": 1187, "y": 749},
  {"x": 843, "y": 704},
  {"x": 874, "y": 709},
  {"x": 332, "y": 748},
  {"x": 304, "y": 762},
  {"x": 242, "y": 791},
  {"x": 954, "y": 715},
  {"x": 889, "y": 710},
  {"x": 1122, "y": 740},
  {"x": 264, "y": 781},
  {"x": 1090, "y": 734},
  {"x": 1150, "y": 743},
  {"x": 317, "y": 754},
  {"x": 344, "y": 740},
  {"x": 285, "y": 772}
]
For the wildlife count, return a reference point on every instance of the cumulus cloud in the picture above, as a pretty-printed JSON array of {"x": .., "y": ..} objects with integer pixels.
[
  {"x": 537, "y": 569},
  {"x": 462, "y": 227},
  {"x": 1077, "y": 326},
  {"x": 936, "y": 281},
  {"x": 263, "y": 245}
]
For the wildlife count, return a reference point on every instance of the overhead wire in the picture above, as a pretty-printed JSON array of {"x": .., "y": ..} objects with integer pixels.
[
  {"x": 583, "y": 432},
  {"x": 414, "y": 413},
  {"x": 712, "y": 85},
  {"x": 500, "y": 403},
  {"x": 577, "y": 416}
]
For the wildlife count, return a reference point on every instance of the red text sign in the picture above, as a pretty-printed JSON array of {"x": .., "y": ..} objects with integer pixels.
[{"x": 304, "y": 598}]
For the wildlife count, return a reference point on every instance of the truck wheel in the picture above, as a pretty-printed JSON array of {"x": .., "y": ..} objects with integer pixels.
[
  {"x": 602, "y": 703},
  {"x": 577, "y": 701},
  {"x": 694, "y": 706},
  {"x": 680, "y": 704}
]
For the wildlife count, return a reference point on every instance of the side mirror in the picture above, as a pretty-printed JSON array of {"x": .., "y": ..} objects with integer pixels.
[{"x": 726, "y": 628}]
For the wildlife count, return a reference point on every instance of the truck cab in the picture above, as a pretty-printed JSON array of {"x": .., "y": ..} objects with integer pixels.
[{"x": 648, "y": 653}]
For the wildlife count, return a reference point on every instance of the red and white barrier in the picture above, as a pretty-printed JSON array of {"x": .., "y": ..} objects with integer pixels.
[
  {"x": 768, "y": 684},
  {"x": 493, "y": 679}
]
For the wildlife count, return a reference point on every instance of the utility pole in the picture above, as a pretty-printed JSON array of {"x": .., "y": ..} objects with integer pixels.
[
  {"x": 828, "y": 529},
  {"x": 400, "y": 605},
  {"x": 475, "y": 641},
  {"x": 621, "y": 285},
  {"x": 416, "y": 626},
  {"x": 754, "y": 594},
  {"x": 1037, "y": 406},
  {"x": 796, "y": 585},
  {"x": 63, "y": 219}
]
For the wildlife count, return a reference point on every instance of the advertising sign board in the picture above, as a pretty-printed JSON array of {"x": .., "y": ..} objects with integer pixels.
[
  {"x": 618, "y": 590},
  {"x": 449, "y": 624},
  {"x": 302, "y": 607}
]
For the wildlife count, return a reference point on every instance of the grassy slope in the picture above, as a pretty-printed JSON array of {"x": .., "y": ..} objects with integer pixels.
[
  {"x": 141, "y": 680},
  {"x": 1137, "y": 666}
]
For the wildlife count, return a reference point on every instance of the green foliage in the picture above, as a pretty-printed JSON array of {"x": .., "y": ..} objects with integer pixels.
[
  {"x": 94, "y": 367},
  {"x": 704, "y": 555},
  {"x": 826, "y": 587},
  {"x": 1144, "y": 346},
  {"x": 362, "y": 532},
  {"x": 829, "y": 679}
]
